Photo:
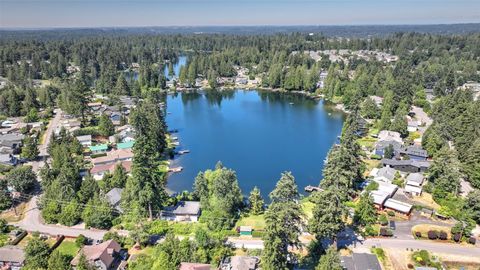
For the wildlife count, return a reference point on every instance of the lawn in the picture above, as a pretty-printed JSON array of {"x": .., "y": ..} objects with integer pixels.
[
  {"x": 9, "y": 215},
  {"x": 256, "y": 221},
  {"x": 307, "y": 207},
  {"x": 68, "y": 247},
  {"x": 424, "y": 228},
  {"x": 367, "y": 142}
]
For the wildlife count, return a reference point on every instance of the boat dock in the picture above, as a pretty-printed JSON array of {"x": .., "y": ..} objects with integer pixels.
[
  {"x": 175, "y": 169},
  {"x": 310, "y": 188}
]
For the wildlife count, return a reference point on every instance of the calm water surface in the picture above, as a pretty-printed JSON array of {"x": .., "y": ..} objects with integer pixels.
[{"x": 258, "y": 134}]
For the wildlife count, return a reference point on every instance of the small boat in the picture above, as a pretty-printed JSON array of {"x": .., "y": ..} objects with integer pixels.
[
  {"x": 174, "y": 138},
  {"x": 291, "y": 103},
  {"x": 181, "y": 152},
  {"x": 176, "y": 143},
  {"x": 175, "y": 169}
]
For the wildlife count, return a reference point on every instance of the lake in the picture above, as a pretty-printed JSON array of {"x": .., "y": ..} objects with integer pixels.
[{"x": 258, "y": 134}]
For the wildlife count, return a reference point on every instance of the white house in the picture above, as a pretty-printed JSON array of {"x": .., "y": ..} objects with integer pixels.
[
  {"x": 414, "y": 183},
  {"x": 85, "y": 140}
]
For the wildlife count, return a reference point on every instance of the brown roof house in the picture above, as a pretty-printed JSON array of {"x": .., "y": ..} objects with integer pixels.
[
  {"x": 103, "y": 256},
  {"x": 194, "y": 266},
  {"x": 11, "y": 257}
]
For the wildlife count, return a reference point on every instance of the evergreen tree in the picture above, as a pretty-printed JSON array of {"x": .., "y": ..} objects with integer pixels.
[
  {"x": 105, "y": 126},
  {"x": 121, "y": 87},
  {"x": 365, "y": 212},
  {"x": 22, "y": 178},
  {"x": 329, "y": 261},
  {"x": 256, "y": 201},
  {"x": 286, "y": 189},
  {"x": 98, "y": 214},
  {"x": 58, "y": 261},
  {"x": 30, "y": 150},
  {"x": 36, "y": 254}
]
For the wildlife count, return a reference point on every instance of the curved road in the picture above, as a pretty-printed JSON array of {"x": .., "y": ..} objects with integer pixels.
[{"x": 32, "y": 220}]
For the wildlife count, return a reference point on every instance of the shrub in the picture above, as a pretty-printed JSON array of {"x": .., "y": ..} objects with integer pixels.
[
  {"x": 443, "y": 235},
  {"x": 257, "y": 233},
  {"x": 81, "y": 240},
  {"x": 386, "y": 232},
  {"x": 432, "y": 235},
  {"x": 383, "y": 220},
  {"x": 370, "y": 231},
  {"x": 418, "y": 234},
  {"x": 391, "y": 213},
  {"x": 377, "y": 157},
  {"x": 457, "y": 237},
  {"x": 472, "y": 240}
]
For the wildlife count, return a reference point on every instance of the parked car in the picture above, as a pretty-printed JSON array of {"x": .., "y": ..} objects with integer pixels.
[{"x": 391, "y": 224}]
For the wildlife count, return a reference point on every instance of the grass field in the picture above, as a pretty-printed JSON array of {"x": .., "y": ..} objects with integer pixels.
[
  {"x": 68, "y": 247},
  {"x": 424, "y": 228},
  {"x": 256, "y": 221}
]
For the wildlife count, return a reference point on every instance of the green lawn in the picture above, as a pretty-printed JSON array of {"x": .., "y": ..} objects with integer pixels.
[
  {"x": 256, "y": 221},
  {"x": 68, "y": 247},
  {"x": 367, "y": 142},
  {"x": 307, "y": 207}
]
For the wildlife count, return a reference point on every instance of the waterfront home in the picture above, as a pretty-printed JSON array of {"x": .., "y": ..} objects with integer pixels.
[
  {"x": 85, "y": 140},
  {"x": 398, "y": 206},
  {"x": 387, "y": 135},
  {"x": 12, "y": 257},
  {"x": 103, "y": 256},
  {"x": 114, "y": 197},
  {"x": 360, "y": 261},
  {"x": 409, "y": 166},
  {"x": 114, "y": 157},
  {"x": 99, "y": 148},
  {"x": 182, "y": 211}
]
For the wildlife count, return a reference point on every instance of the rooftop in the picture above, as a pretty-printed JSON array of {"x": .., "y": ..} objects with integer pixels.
[
  {"x": 194, "y": 266},
  {"x": 98, "y": 147},
  {"x": 185, "y": 208},
  {"x": 360, "y": 261},
  {"x": 13, "y": 254},
  {"x": 103, "y": 252},
  {"x": 398, "y": 206},
  {"x": 125, "y": 145},
  {"x": 415, "y": 179}
]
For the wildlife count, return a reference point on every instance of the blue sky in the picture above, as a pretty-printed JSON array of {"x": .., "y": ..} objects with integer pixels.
[{"x": 97, "y": 13}]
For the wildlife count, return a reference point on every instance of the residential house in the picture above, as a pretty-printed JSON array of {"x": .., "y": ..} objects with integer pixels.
[
  {"x": 387, "y": 135},
  {"x": 379, "y": 198},
  {"x": 103, "y": 256},
  {"x": 414, "y": 152},
  {"x": 382, "y": 145},
  {"x": 11, "y": 143},
  {"x": 194, "y": 266},
  {"x": 414, "y": 183},
  {"x": 125, "y": 145},
  {"x": 387, "y": 188},
  {"x": 378, "y": 100},
  {"x": 11, "y": 257},
  {"x": 182, "y": 211},
  {"x": 412, "y": 126},
  {"x": 98, "y": 171},
  {"x": 409, "y": 166},
  {"x": 360, "y": 261},
  {"x": 85, "y": 140},
  {"x": 113, "y": 197},
  {"x": 385, "y": 174},
  {"x": 114, "y": 157},
  {"x": 240, "y": 263},
  {"x": 99, "y": 148},
  {"x": 398, "y": 206},
  {"x": 8, "y": 159}
]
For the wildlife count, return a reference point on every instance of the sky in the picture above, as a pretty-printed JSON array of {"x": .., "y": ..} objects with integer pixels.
[{"x": 133, "y": 13}]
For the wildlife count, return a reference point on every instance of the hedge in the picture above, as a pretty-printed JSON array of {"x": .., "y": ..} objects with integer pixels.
[
  {"x": 432, "y": 235},
  {"x": 472, "y": 240},
  {"x": 257, "y": 233}
]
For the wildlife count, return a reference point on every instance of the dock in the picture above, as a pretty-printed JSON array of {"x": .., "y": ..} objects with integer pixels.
[
  {"x": 310, "y": 188},
  {"x": 175, "y": 169}
]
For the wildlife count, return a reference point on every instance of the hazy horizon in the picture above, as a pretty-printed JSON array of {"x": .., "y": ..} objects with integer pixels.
[{"x": 41, "y": 14}]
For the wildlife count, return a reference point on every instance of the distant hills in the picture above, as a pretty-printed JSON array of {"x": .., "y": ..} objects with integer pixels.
[{"x": 338, "y": 31}]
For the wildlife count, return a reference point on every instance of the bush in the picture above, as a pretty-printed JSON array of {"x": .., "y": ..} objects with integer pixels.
[
  {"x": 418, "y": 234},
  {"x": 377, "y": 157},
  {"x": 432, "y": 235},
  {"x": 383, "y": 220},
  {"x": 257, "y": 233},
  {"x": 391, "y": 213},
  {"x": 472, "y": 240},
  {"x": 370, "y": 231},
  {"x": 386, "y": 232},
  {"x": 443, "y": 235},
  {"x": 81, "y": 240},
  {"x": 457, "y": 237}
]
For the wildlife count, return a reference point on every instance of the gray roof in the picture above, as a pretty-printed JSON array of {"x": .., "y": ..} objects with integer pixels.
[
  {"x": 84, "y": 138},
  {"x": 415, "y": 150},
  {"x": 415, "y": 177},
  {"x": 384, "y": 144},
  {"x": 12, "y": 254},
  {"x": 12, "y": 137},
  {"x": 185, "y": 208},
  {"x": 386, "y": 172},
  {"x": 244, "y": 262},
  {"x": 114, "y": 196},
  {"x": 410, "y": 162},
  {"x": 361, "y": 261}
]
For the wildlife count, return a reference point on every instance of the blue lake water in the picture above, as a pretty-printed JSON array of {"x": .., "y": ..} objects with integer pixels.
[
  {"x": 257, "y": 134},
  {"x": 182, "y": 61}
]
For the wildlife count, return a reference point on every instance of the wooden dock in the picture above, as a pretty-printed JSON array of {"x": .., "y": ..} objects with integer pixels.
[
  {"x": 310, "y": 188},
  {"x": 175, "y": 169}
]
